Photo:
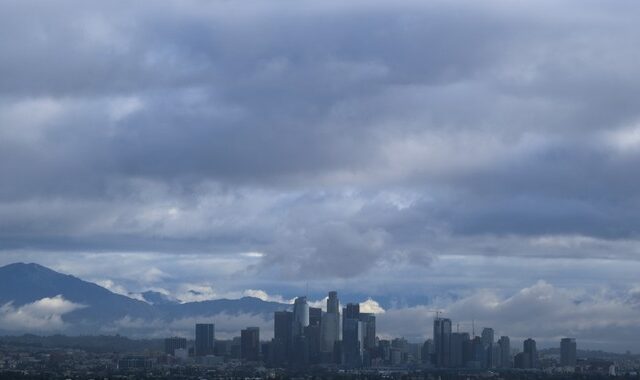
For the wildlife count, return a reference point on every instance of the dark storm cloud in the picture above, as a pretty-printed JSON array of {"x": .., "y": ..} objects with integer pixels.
[{"x": 334, "y": 138}]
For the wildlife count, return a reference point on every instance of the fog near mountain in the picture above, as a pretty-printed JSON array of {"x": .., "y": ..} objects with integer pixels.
[
  {"x": 38, "y": 300},
  {"x": 34, "y": 298}
]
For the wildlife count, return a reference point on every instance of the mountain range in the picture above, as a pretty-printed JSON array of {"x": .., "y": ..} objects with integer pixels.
[{"x": 23, "y": 287}]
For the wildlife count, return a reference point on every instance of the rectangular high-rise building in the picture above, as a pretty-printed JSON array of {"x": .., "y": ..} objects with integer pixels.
[
  {"x": 352, "y": 342},
  {"x": 250, "y": 344},
  {"x": 368, "y": 337},
  {"x": 313, "y": 336},
  {"x": 506, "y": 361},
  {"x": 568, "y": 350},
  {"x": 330, "y": 327},
  {"x": 300, "y": 316},
  {"x": 174, "y": 343},
  {"x": 427, "y": 351},
  {"x": 487, "y": 341},
  {"x": 368, "y": 330},
  {"x": 457, "y": 352},
  {"x": 442, "y": 341},
  {"x": 315, "y": 316},
  {"x": 352, "y": 335},
  {"x": 496, "y": 356},
  {"x": 487, "y": 336},
  {"x": 333, "y": 304},
  {"x": 352, "y": 311},
  {"x": 530, "y": 353},
  {"x": 329, "y": 331},
  {"x": 478, "y": 354},
  {"x": 205, "y": 339},
  {"x": 282, "y": 337}
]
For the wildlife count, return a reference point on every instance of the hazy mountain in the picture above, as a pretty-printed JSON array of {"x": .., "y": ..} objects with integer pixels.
[
  {"x": 245, "y": 305},
  {"x": 26, "y": 283},
  {"x": 23, "y": 284},
  {"x": 157, "y": 298}
]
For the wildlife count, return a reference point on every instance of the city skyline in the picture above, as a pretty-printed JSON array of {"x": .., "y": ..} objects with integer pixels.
[
  {"x": 473, "y": 157},
  {"x": 307, "y": 337},
  {"x": 391, "y": 322}
]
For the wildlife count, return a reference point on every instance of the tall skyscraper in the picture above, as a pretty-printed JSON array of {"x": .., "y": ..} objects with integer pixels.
[
  {"x": 368, "y": 330},
  {"x": 352, "y": 342},
  {"x": 352, "y": 311},
  {"x": 427, "y": 351},
  {"x": 313, "y": 334},
  {"x": 368, "y": 337},
  {"x": 457, "y": 352},
  {"x": 487, "y": 336},
  {"x": 330, "y": 326},
  {"x": 333, "y": 304},
  {"x": 352, "y": 335},
  {"x": 250, "y": 344},
  {"x": 568, "y": 350},
  {"x": 496, "y": 356},
  {"x": 205, "y": 339},
  {"x": 478, "y": 357},
  {"x": 300, "y": 316},
  {"x": 442, "y": 341},
  {"x": 530, "y": 353},
  {"x": 505, "y": 352},
  {"x": 300, "y": 344},
  {"x": 282, "y": 338},
  {"x": 487, "y": 341}
]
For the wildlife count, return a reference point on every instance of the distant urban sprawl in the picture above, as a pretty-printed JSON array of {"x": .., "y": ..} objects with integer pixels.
[{"x": 347, "y": 338}]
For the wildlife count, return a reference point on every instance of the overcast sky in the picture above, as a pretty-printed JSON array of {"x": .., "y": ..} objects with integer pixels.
[{"x": 481, "y": 157}]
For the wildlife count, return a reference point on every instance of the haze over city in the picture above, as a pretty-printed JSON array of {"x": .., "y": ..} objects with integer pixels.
[{"x": 478, "y": 159}]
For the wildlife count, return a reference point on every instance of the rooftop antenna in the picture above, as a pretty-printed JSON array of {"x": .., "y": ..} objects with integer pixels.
[{"x": 473, "y": 327}]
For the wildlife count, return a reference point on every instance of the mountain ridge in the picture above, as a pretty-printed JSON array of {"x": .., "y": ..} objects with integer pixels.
[{"x": 23, "y": 284}]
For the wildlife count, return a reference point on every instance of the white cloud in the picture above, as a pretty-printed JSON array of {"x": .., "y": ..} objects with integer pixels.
[
  {"x": 118, "y": 289},
  {"x": 598, "y": 320},
  {"x": 624, "y": 140},
  {"x": 257, "y": 293},
  {"x": 44, "y": 315},
  {"x": 371, "y": 306}
]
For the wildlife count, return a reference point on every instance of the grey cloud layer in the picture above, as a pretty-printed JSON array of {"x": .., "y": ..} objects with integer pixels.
[
  {"x": 337, "y": 139},
  {"x": 603, "y": 320}
]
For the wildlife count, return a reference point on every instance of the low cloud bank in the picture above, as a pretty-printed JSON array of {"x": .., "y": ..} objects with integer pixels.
[{"x": 42, "y": 316}]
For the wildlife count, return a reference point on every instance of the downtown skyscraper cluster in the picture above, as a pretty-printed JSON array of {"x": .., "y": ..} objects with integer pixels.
[
  {"x": 450, "y": 349},
  {"x": 308, "y": 335},
  {"x": 346, "y": 337}
]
